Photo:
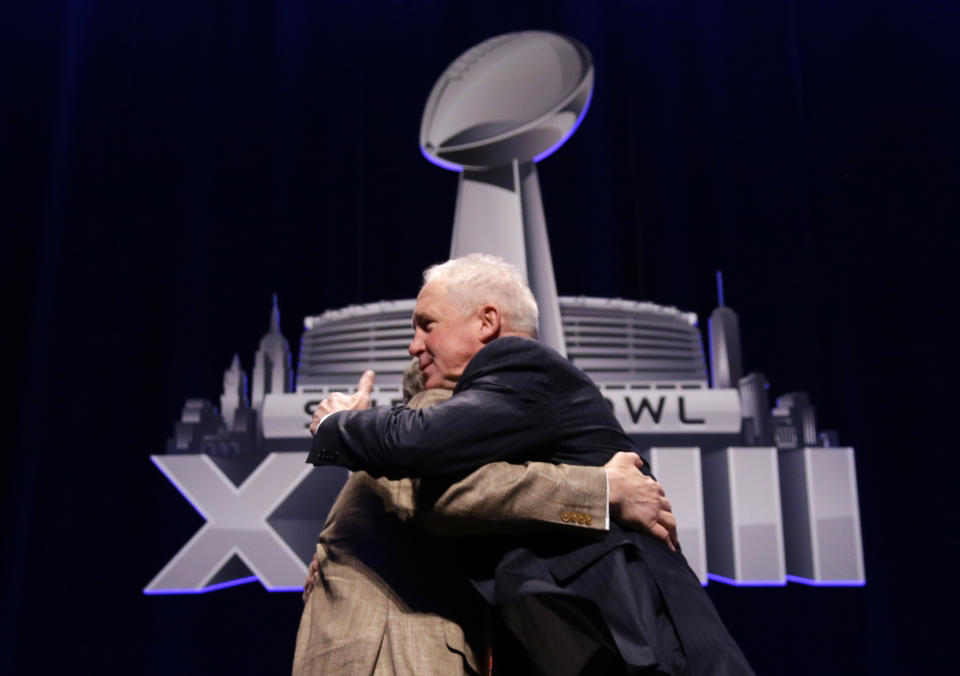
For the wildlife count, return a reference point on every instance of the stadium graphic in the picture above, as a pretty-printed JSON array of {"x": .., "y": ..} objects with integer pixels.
[{"x": 761, "y": 495}]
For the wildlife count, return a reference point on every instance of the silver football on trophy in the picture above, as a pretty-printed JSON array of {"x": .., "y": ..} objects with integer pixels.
[{"x": 516, "y": 96}]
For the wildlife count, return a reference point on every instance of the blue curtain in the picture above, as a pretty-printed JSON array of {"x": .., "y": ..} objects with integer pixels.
[{"x": 167, "y": 166}]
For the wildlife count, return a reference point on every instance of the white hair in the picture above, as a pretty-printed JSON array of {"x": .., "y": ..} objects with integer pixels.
[{"x": 476, "y": 279}]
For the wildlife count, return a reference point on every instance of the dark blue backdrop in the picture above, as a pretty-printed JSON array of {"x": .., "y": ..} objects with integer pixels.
[{"x": 167, "y": 166}]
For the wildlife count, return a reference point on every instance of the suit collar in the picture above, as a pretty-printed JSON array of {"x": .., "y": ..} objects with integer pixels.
[{"x": 501, "y": 353}]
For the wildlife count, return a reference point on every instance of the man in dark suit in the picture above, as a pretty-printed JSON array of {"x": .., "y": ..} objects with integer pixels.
[
  {"x": 628, "y": 602},
  {"x": 386, "y": 597}
]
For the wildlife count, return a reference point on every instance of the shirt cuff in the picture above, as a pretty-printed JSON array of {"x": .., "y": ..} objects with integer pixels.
[{"x": 606, "y": 500}]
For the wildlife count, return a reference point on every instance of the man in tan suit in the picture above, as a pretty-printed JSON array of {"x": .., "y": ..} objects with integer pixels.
[{"x": 384, "y": 596}]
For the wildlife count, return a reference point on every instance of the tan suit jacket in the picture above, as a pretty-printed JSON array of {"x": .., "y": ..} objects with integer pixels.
[{"x": 388, "y": 601}]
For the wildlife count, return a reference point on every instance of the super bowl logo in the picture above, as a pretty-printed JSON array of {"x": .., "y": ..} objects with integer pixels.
[{"x": 762, "y": 496}]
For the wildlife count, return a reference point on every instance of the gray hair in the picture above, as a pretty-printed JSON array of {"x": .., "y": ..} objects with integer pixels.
[
  {"x": 415, "y": 392},
  {"x": 429, "y": 397},
  {"x": 413, "y": 381},
  {"x": 476, "y": 279}
]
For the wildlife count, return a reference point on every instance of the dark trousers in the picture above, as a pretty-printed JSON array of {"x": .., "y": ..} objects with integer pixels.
[{"x": 560, "y": 635}]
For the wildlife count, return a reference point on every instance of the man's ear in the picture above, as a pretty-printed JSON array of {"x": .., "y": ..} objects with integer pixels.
[{"x": 490, "y": 323}]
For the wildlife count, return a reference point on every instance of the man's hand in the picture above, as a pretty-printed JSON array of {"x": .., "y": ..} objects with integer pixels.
[
  {"x": 341, "y": 402},
  {"x": 637, "y": 501},
  {"x": 313, "y": 575}
]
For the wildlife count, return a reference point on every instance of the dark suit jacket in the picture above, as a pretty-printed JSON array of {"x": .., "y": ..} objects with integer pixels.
[{"x": 520, "y": 401}]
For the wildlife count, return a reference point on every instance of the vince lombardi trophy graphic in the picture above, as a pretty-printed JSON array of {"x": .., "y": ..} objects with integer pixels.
[{"x": 500, "y": 107}]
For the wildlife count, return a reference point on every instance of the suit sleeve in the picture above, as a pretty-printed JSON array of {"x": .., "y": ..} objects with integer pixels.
[
  {"x": 490, "y": 421},
  {"x": 507, "y": 498}
]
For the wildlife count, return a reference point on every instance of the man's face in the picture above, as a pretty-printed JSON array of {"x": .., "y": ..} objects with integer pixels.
[{"x": 444, "y": 340}]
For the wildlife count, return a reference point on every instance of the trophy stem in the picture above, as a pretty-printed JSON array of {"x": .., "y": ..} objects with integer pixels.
[{"x": 499, "y": 212}]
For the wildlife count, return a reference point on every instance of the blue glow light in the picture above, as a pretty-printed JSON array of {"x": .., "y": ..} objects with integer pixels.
[
  {"x": 709, "y": 367},
  {"x": 552, "y": 149},
  {"x": 826, "y": 583},
  {"x": 746, "y": 583},
  {"x": 204, "y": 590},
  {"x": 444, "y": 164},
  {"x": 220, "y": 585}
]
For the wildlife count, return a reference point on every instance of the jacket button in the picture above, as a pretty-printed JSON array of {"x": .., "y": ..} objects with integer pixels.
[{"x": 565, "y": 516}]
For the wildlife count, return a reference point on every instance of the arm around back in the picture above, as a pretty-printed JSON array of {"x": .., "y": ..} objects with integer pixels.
[
  {"x": 502, "y": 497},
  {"x": 483, "y": 424}
]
